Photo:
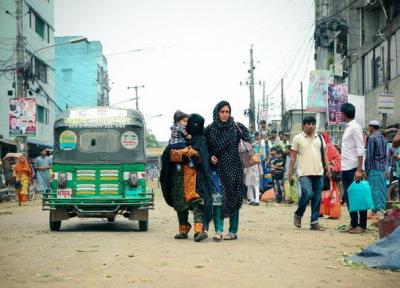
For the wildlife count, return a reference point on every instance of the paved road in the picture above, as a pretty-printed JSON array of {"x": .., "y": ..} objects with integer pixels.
[{"x": 270, "y": 252}]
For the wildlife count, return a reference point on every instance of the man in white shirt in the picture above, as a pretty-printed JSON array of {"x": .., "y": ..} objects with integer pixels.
[
  {"x": 309, "y": 148},
  {"x": 352, "y": 161}
]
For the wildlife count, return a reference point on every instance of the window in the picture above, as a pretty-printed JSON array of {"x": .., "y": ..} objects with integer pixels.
[
  {"x": 42, "y": 114},
  {"x": 99, "y": 141},
  {"x": 373, "y": 67},
  {"x": 48, "y": 34},
  {"x": 67, "y": 74},
  {"x": 41, "y": 70},
  {"x": 393, "y": 57},
  {"x": 40, "y": 26},
  {"x": 30, "y": 18}
]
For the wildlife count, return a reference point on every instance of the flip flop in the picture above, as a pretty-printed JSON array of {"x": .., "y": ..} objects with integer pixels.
[{"x": 230, "y": 236}]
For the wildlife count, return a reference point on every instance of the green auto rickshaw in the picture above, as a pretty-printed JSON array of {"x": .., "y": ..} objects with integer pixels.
[{"x": 99, "y": 167}]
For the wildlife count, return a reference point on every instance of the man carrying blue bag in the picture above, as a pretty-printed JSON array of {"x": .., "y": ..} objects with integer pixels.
[{"x": 352, "y": 160}]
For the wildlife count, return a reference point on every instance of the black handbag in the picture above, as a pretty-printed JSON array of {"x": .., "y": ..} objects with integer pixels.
[
  {"x": 17, "y": 184},
  {"x": 336, "y": 176}
]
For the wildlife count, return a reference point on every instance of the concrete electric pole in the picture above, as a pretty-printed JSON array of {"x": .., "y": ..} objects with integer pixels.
[
  {"x": 22, "y": 145},
  {"x": 252, "y": 122},
  {"x": 136, "y": 94}
]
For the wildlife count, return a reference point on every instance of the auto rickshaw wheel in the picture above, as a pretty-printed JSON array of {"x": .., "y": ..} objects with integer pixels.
[
  {"x": 143, "y": 226},
  {"x": 54, "y": 225},
  {"x": 111, "y": 219}
]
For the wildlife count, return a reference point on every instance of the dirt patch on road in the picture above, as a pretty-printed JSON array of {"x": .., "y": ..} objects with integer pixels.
[{"x": 270, "y": 252}]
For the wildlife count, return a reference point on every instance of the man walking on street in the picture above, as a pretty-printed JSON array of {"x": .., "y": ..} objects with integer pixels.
[
  {"x": 352, "y": 160},
  {"x": 43, "y": 166},
  {"x": 375, "y": 166},
  {"x": 309, "y": 147}
]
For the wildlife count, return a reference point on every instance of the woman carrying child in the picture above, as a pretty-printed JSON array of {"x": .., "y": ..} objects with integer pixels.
[{"x": 189, "y": 188}]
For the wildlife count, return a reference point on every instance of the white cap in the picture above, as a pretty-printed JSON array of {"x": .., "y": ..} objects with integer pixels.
[{"x": 373, "y": 123}]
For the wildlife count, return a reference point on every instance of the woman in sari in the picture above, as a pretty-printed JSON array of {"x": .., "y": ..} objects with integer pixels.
[
  {"x": 330, "y": 200},
  {"x": 22, "y": 174}
]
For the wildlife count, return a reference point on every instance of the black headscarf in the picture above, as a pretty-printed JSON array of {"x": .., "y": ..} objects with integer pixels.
[{"x": 223, "y": 140}]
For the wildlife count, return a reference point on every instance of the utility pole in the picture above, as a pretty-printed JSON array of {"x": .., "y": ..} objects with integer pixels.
[
  {"x": 282, "y": 101},
  {"x": 302, "y": 107},
  {"x": 22, "y": 145},
  {"x": 136, "y": 94},
  {"x": 252, "y": 123}
]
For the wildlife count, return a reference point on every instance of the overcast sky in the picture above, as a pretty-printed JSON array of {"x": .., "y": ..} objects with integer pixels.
[{"x": 196, "y": 52}]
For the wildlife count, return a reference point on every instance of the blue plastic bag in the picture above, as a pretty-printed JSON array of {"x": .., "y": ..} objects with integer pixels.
[{"x": 360, "y": 196}]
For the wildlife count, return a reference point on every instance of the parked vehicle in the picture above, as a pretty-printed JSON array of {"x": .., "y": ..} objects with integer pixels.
[
  {"x": 5, "y": 194},
  {"x": 99, "y": 167}
]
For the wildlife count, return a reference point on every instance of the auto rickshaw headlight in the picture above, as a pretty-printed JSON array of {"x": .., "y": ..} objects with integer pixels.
[
  {"x": 62, "y": 179},
  {"x": 133, "y": 179}
]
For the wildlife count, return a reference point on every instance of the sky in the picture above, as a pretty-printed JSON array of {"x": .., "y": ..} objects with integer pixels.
[{"x": 192, "y": 54}]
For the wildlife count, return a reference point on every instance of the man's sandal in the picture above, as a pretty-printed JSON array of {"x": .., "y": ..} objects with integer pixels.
[{"x": 297, "y": 221}]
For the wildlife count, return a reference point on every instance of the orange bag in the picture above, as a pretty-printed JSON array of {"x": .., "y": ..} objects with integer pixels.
[
  {"x": 268, "y": 195},
  {"x": 330, "y": 207}
]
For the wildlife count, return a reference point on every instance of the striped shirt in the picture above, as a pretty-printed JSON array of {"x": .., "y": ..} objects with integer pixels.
[{"x": 376, "y": 153}]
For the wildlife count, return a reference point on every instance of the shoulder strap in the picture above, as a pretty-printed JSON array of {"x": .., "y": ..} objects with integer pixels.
[
  {"x": 240, "y": 130},
  {"x": 322, "y": 151}
]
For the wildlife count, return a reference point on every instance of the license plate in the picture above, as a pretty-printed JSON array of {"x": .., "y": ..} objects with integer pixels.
[{"x": 64, "y": 193}]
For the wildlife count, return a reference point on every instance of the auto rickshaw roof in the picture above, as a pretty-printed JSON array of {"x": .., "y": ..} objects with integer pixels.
[{"x": 93, "y": 117}]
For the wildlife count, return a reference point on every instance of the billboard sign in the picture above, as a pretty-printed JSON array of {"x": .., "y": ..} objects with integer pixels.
[{"x": 22, "y": 117}]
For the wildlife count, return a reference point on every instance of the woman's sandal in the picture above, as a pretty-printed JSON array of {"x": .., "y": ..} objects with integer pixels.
[
  {"x": 218, "y": 237},
  {"x": 230, "y": 236}
]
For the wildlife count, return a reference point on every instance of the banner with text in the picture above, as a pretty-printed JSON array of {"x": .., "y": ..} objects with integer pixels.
[{"x": 318, "y": 90}]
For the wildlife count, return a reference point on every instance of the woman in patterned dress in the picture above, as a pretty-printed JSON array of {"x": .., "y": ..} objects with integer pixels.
[{"x": 223, "y": 139}]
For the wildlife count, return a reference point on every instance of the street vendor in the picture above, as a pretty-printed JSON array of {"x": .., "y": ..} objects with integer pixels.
[
  {"x": 43, "y": 166},
  {"x": 189, "y": 189}
]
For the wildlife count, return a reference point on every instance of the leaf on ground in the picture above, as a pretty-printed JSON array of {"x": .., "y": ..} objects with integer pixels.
[
  {"x": 131, "y": 255},
  {"x": 43, "y": 275},
  {"x": 162, "y": 264},
  {"x": 82, "y": 251},
  {"x": 199, "y": 266}
]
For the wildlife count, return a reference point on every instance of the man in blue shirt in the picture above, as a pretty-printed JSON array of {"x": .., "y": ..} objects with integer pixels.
[{"x": 375, "y": 166}]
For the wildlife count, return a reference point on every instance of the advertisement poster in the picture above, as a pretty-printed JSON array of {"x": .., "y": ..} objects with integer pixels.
[
  {"x": 359, "y": 103},
  {"x": 22, "y": 117},
  {"x": 318, "y": 90},
  {"x": 337, "y": 96}
]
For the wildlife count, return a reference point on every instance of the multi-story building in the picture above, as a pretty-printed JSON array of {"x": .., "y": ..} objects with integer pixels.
[
  {"x": 81, "y": 73},
  {"x": 38, "y": 33},
  {"x": 360, "y": 41}
]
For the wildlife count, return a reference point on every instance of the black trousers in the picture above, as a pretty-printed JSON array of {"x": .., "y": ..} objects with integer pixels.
[{"x": 358, "y": 218}]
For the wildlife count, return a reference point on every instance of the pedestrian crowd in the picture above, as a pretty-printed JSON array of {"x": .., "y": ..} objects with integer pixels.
[{"x": 212, "y": 172}]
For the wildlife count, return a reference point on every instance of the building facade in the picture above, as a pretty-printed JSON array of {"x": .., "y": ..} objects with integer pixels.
[
  {"x": 39, "y": 79},
  {"x": 81, "y": 73},
  {"x": 359, "y": 40}
]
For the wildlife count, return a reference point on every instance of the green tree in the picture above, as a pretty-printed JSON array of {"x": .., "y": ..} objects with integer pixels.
[{"x": 151, "y": 140}]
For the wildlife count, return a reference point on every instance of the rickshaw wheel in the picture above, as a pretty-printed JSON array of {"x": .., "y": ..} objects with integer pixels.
[
  {"x": 111, "y": 219},
  {"x": 54, "y": 225},
  {"x": 143, "y": 225}
]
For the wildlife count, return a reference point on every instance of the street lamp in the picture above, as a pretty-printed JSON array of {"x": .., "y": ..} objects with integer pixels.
[
  {"x": 72, "y": 41},
  {"x": 127, "y": 100}
]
